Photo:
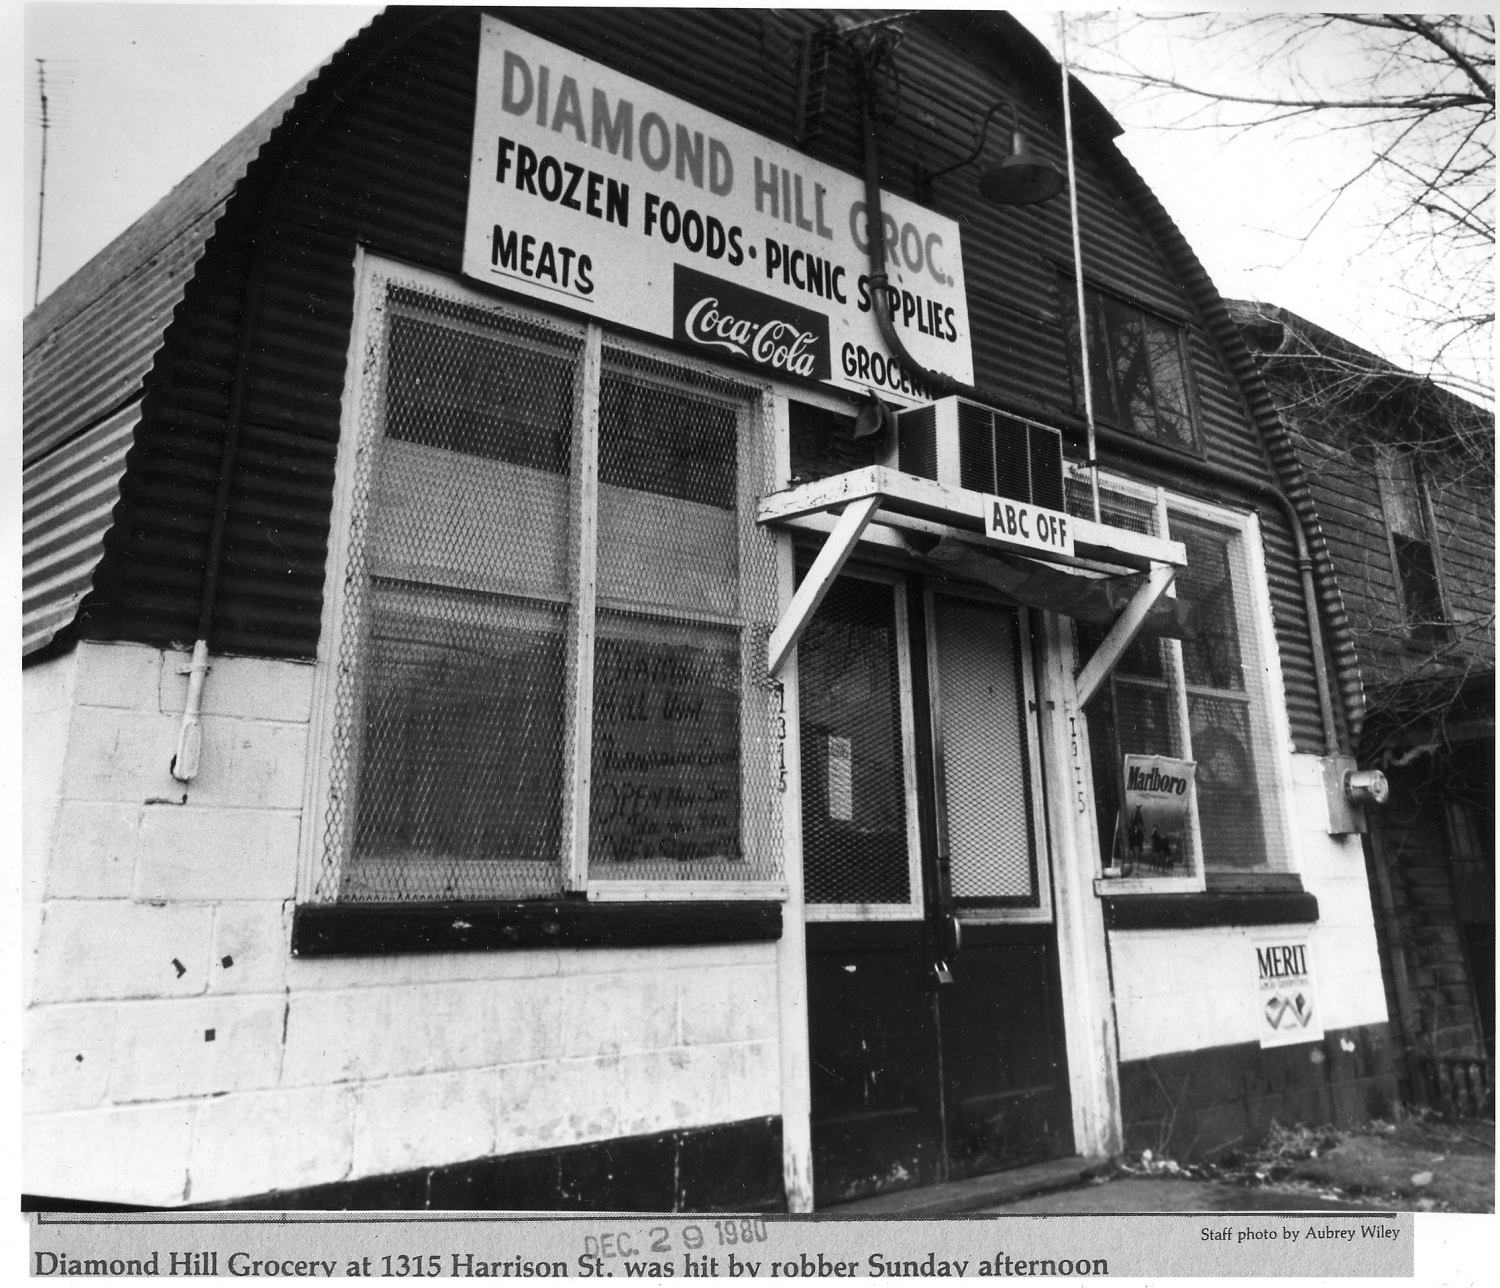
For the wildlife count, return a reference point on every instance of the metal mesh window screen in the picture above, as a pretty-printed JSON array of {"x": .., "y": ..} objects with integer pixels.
[
  {"x": 684, "y": 732},
  {"x": 854, "y": 824},
  {"x": 983, "y": 762},
  {"x": 453, "y": 757},
  {"x": 447, "y": 760},
  {"x": 1238, "y": 805}
]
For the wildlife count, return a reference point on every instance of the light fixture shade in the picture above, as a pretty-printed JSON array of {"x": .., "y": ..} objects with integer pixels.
[{"x": 1021, "y": 180}]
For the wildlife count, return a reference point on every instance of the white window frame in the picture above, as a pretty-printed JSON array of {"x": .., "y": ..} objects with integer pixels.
[
  {"x": 1245, "y": 526},
  {"x": 572, "y": 859}
]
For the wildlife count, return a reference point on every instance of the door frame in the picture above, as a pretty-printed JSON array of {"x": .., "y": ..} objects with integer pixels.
[
  {"x": 915, "y": 910},
  {"x": 1088, "y": 1013},
  {"x": 1067, "y": 802},
  {"x": 1030, "y": 732}
]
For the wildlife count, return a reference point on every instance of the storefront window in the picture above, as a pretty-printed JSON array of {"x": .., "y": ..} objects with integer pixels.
[
  {"x": 1203, "y": 699},
  {"x": 551, "y": 619}
]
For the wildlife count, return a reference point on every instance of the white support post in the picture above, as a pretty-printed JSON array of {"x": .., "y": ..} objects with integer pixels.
[
  {"x": 580, "y": 724},
  {"x": 1125, "y": 629},
  {"x": 791, "y": 949},
  {"x": 1082, "y": 949},
  {"x": 831, "y": 558}
]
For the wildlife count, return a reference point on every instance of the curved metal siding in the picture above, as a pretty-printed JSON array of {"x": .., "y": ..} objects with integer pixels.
[
  {"x": 69, "y": 496},
  {"x": 388, "y": 169},
  {"x": 89, "y": 344},
  {"x": 97, "y": 360}
]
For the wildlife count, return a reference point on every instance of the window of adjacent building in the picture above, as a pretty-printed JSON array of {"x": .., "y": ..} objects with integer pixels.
[
  {"x": 1207, "y": 699},
  {"x": 1138, "y": 368},
  {"x": 1472, "y": 846},
  {"x": 550, "y": 610},
  {"x": 1413, "y": 557}
]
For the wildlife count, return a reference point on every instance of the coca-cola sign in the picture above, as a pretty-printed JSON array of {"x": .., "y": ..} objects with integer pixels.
[{"x": 742, "y": 324}]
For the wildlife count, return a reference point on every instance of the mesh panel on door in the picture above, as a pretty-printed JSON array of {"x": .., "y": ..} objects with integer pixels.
[
  {"x": 982, "y": 753},
  {"x": 854, "y": 827},
  {"x": 447, "y": 762},
  {"x": 684, "y": 736}
]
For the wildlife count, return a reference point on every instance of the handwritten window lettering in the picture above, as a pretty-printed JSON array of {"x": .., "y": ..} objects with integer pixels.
[
  {"x": 455, "y": 764},
  {"x": 666, "y": 772}
]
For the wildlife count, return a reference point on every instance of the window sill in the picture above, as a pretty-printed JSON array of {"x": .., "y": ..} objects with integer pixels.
[
  {"x": 1197, "y": 452},
  {"x": 354, "y": 929},
  {"x": 1231, "y": 899}
]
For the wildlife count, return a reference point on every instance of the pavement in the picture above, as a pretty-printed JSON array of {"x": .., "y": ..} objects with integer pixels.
[
  {"x": 1154, "y": 1194},
  {"x": 1415, "y": 1165}
]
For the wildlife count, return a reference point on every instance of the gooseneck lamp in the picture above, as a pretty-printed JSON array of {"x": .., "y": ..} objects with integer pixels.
[{"x": 1022, "y": 179}]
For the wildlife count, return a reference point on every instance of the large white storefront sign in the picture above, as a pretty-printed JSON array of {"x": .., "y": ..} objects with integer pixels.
[{"x": 591, "y": 190}]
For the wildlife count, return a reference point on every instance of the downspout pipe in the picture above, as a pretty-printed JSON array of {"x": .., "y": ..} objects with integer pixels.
[
  {"x": 184, "y": 767},
  {"x": 1117, "y": 443}
]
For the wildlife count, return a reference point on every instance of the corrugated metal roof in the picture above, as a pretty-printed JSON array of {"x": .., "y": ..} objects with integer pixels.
[
  {"x": 88, "y": 345},
  {"x": 87, "y": 350},
  {"x": 68, "y": 496}
]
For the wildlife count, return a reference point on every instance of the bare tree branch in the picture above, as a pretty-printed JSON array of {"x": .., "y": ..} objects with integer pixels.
[{"x": 1414, "y": 97}]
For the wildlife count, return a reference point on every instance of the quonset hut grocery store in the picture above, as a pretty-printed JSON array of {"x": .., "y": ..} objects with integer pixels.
[{"x": 548, "y": 685}]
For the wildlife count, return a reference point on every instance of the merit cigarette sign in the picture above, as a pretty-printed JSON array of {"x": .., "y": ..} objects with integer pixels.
[
  {"x": 595, "y": 192},
  {"x": 1286, "y": 998}
]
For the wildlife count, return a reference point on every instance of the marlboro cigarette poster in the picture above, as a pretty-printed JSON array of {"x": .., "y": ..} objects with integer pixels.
[{"x": 1154, "y": 820}]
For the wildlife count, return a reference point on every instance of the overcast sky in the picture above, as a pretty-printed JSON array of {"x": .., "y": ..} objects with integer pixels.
[{"x": 140, "y": 94}]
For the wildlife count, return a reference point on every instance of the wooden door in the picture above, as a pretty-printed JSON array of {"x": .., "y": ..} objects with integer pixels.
[{"x": 935, "y": 1030}]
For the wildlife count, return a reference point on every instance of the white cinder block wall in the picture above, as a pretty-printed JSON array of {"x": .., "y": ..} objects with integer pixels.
[
  {"x": 1186, "y": 990},
  {"x": 174, "y": 1052}
]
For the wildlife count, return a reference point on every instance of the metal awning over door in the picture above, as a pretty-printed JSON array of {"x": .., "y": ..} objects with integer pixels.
[{"x": 1112, "y": 576}]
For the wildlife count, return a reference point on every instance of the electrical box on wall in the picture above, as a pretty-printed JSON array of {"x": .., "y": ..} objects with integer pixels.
[
  {"x": 965, "y": 444},
  {"x": 1348, "y": 790}
]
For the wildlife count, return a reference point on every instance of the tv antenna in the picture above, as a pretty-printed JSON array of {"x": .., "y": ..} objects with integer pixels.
[{"x": 41, "y": 204}]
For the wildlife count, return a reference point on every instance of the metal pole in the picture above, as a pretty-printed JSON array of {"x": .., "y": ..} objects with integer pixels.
[
  {"x": 41, "y": 205},
  {"x": 1083, "y": 334}
]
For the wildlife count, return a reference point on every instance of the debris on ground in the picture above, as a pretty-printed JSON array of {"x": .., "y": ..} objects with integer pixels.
[{"x": 1418, "y": 1163}]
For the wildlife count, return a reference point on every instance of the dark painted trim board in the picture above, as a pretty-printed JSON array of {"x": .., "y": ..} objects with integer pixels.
[
  {"x": 729, "y": 1167},
  {"x": 1211, "y": 908},
  {"x": 355, "y": 929},
  {"x": 1203, "y": 1104}
]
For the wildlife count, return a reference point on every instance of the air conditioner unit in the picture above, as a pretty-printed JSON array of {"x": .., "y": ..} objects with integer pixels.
[{"x": 968, "y": 445}]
